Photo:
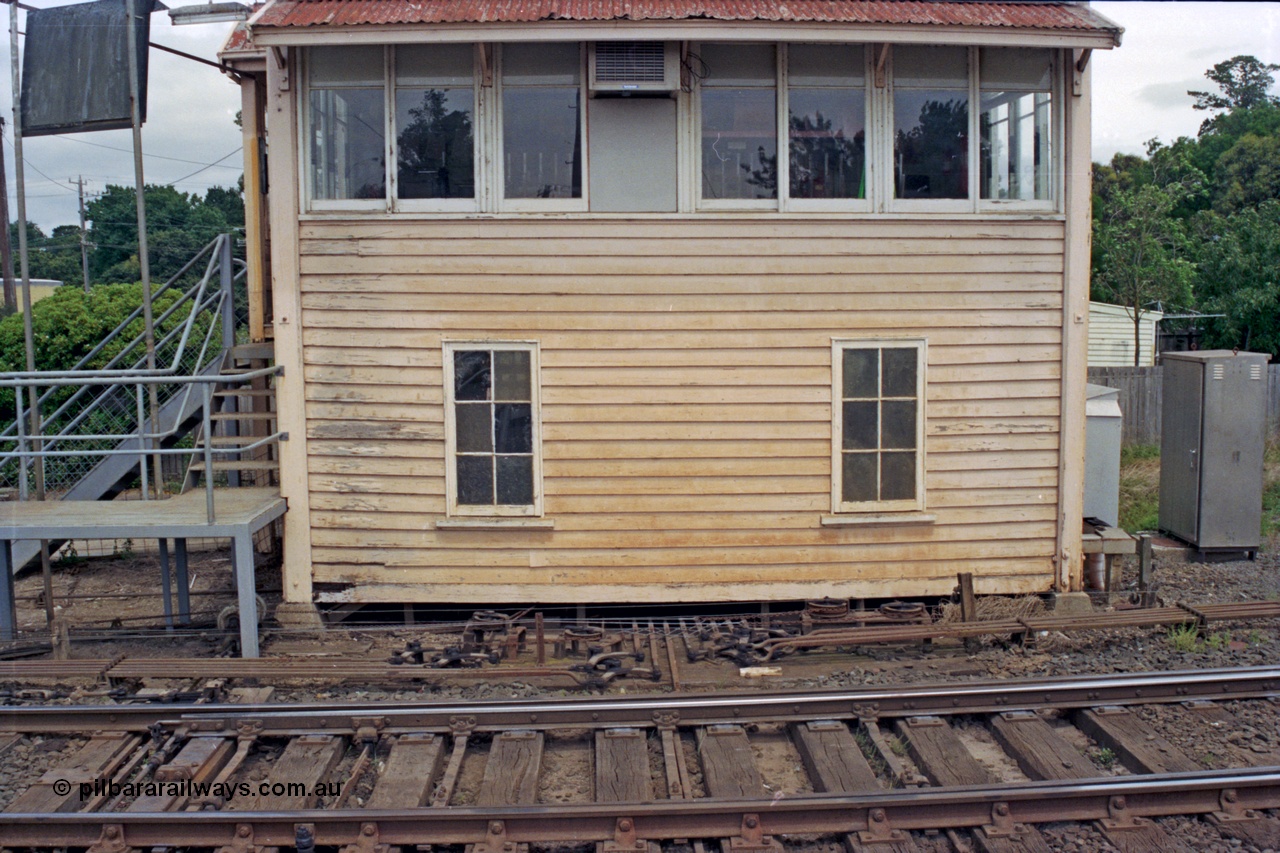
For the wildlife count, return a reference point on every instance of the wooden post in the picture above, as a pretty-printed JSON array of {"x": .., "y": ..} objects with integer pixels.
[
  {"x": 541, "y": 641},
  {"x": 968, "y": 606}
]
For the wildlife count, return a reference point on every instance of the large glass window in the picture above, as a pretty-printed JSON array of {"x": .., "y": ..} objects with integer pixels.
[
  {"x": 827, "y": 121},
  {"x": 739, "y": 122},
  {"x": 542, "y": 121},
  {"x": 1016, "y": 124},
  {"x": 435, "y": 115},
  {"x": 878, "y": 425},
  {"x": 930, "y": 122},
  {"x": 493, "y": 440},
  {"x": 347, "y": 145}
]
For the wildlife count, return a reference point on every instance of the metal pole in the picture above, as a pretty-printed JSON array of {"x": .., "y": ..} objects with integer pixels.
[
  {"x": 6, "y": 246},
  {"x": 46, "y": 569},
  {"x": 84, "y": 243},
  {"x": 139, "y": 181}
]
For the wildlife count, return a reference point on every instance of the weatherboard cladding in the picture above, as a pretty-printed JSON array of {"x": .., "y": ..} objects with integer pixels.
[{"x": 1041, "y": 16}]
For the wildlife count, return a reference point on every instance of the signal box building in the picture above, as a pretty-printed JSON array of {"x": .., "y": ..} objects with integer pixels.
[{"x": 620, "y": 301}]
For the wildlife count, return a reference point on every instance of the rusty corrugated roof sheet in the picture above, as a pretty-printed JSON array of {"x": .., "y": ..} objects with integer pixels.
[{"x": 1025, "y": 15}]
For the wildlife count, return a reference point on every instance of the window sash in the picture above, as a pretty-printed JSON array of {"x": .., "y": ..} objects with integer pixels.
[
  {"x": 1039, "y": 173},
  {"x": 493, "y": 453},
  {"x": 881, "y": 445}
]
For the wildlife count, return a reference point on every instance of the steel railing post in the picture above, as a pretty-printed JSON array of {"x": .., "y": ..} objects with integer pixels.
[
  {"x": 142, "y": 440},
  {"x": 23, "y": 490},
  {"x": 207, "y": 391}
]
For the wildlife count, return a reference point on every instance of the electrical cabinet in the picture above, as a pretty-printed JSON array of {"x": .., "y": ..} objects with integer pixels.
[{"x": 1212, "y": 435}]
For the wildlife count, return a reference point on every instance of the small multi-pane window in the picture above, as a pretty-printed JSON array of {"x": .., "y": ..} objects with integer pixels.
[
  {"x": 826, "y": 121},
  {"x": 739, "y": 122},
  {"x": 492, "y": 438},
  {"x": 542, "y": 121},
  {"x": 435, "y": 114},
  {"x": 930, "y": 122},
  {"x": 348, "y": 123},
  {"x": 1016, "y": 123},
  {"x": 878, "y": 425}
]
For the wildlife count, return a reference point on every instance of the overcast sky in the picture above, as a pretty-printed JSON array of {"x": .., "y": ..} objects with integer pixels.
[{"x": 1139, "y": 93}]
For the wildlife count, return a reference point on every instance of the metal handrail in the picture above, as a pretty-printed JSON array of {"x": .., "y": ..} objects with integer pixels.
[
  {"x": 118, "y": 384},
  {"x": 144, "y": 438},
  {"x": 176, "y": 362}
]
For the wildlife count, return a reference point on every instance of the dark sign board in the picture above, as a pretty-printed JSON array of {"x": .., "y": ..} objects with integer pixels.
[{"x": 75, "y": 69}]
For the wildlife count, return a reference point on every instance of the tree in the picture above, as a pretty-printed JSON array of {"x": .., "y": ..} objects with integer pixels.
[
  {"x": 1138, "y": 253},
  {"x": 178, "y": 225},
  {"x": 1245, "y": 83},
  {"x": 1238, "y": 274}
]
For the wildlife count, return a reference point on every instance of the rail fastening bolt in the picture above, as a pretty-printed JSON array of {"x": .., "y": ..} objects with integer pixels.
[
  {"x": 1230, "y": 795},
  {"x": 368, "y": 829},
  {"x": 752, "y": 823},
  {"x": 624, "y": 825},
  {"x": 112, "y": 831},
  {"x": 495, "y": 828},
  {"x": 242, "y": 831},
  {"x": 1002, "y": 809},
  {"x": 878, "y": 815}
]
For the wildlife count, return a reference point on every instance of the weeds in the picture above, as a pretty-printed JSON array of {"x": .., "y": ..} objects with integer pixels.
[
  {"x": 1105, "y": 757},
  {"x": 898, "y": 746},
  {"x": 1185, "y": 637},
  {"x": 123, "y": 552},
  {"x": 1218, "y": 641}
]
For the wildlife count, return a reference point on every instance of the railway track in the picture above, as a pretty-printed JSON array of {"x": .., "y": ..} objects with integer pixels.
[{"x": 994, "y": 766}]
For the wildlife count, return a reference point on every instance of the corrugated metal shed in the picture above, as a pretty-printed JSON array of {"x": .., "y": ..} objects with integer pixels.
[
  {"x": 1038, "y": 16},
  {"x": 1111, "y": 335}
]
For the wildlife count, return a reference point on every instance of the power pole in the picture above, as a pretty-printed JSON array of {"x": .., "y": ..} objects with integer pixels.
[
  {"x": 84, "y": 244},
  {"x": 6, "y": 249}
]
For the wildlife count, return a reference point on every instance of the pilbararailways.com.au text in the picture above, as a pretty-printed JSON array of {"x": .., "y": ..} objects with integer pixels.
[{"x": 195, "y": 790}]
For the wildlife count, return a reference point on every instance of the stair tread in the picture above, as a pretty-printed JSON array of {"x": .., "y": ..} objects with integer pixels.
[
  {"x": 231, "y": 440},
  {"x": 231, "y": 465},
  {"x": 243, "y": 415},
  {"x": 245, "y": 392}
]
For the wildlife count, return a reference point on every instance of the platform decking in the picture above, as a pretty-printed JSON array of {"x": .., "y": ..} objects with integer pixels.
[{"x": 238, "y": 514}]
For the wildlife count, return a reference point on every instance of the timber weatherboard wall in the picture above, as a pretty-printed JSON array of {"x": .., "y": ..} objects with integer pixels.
[{"x": 686, "y": 402}]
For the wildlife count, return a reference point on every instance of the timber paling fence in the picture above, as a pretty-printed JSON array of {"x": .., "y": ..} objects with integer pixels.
[{"x": 1140, "y": 399}]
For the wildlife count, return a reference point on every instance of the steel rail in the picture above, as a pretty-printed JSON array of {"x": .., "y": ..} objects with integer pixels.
[
  {"x": 1230, "y": 795},
  {"x": 973, "y": 697}
]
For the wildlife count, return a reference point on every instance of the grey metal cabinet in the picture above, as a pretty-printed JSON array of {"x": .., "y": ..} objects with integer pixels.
[{"x": 1212, "y": 432}]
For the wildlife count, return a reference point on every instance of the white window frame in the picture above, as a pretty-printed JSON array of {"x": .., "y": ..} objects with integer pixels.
[
  {"x": 823, "y": 205},
  {"x": 488, "y": 146},
  {"x": 1057, "y": 149},
  {"x": 433, "y": 205},
  {"x": 314, "y": 205},
  {"x": 497, "y": 146},
  {"x": 453, "y": 508},
  {"x": 838, "y": 346},
  {"x": 927, "y": 205},
  {"x": 695, "y": 141}
]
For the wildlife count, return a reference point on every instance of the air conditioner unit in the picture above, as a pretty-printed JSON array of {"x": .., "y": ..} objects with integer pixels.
[{"x": 634, "y": 67}]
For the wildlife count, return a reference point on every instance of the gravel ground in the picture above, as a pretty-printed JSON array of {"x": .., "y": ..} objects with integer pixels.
[{"x": 1255, "y": 739}]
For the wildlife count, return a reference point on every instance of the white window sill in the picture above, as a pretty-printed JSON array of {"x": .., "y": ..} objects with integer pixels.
[
  {"x": 495, "y": 523},
  {"x": 881, "y": 518}
]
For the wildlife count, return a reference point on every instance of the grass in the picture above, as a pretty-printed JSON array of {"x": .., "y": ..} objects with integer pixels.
[
  {"x": 1185, "y": 637},
  {"x": 1140, "y": 489}
]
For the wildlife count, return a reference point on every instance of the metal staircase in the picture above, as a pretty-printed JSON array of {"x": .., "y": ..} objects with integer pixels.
[
  {"x": 97, "y": 435},
  {"x": 240, "y": 414}
]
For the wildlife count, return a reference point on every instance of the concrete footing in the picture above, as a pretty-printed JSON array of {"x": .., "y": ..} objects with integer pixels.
[
  {"x": 298, "y": 614},
  {"x": 1071, "y": 603}
]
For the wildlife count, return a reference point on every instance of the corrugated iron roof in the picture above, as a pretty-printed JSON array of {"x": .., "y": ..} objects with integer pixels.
[{"x": 1024, "y": 15}]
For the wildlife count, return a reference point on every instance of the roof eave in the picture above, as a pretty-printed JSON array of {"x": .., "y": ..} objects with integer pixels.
[{"x": 701, "y": 29}]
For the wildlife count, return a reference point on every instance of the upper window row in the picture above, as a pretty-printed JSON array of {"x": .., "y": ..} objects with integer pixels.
[{"x": 754, "y": 126}]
